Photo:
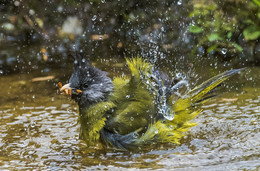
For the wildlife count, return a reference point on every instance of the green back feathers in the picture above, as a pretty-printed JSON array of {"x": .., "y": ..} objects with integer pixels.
[
  {"x": 139, "y": 67},
  {"x": 125, "y": 87},
  {"x": 135, "y": 107}
]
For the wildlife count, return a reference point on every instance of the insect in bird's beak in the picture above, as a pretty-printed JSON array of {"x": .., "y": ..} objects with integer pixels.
[{"x": 68, "y": 90}]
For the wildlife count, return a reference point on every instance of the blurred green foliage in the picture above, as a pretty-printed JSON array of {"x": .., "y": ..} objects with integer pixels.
[{"x": 219, "y": 24}]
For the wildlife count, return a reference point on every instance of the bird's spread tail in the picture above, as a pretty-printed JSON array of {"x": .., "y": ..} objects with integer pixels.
[{"x": 185, "y": 109}]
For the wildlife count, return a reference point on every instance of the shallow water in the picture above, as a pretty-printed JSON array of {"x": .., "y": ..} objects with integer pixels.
[{"x": 39, "y": 130}]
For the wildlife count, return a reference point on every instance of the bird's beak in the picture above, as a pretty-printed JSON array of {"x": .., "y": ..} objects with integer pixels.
[{"x": 68, "y": 90}]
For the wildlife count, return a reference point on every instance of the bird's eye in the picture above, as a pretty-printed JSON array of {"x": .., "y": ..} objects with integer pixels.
[{"x": 85, "y": 85}]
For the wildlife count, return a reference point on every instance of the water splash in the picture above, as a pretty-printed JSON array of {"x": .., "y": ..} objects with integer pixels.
[
  {"x": 180, "y": 84},
  {"x": 167, "y": 113}
]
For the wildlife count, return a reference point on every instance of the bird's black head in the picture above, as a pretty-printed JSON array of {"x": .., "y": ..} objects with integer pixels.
[{"x": 94, "y": 83}]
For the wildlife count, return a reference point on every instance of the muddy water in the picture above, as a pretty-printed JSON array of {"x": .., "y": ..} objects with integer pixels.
[{"x": 39, "y": 130}]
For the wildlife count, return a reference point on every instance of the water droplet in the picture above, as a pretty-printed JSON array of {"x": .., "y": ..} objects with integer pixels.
[
  {"x": 178, "y": 75},
  {"x": 169, "y": 116},
  {"x": 32, "y": 125},
  {"x": 127, "y": 96},
  {"x": 16, "y": 3},
  {"x": 132, "y": 118},
  {"x": 60, "y": 8},
  {"x": 135, "y": 135},
  {"x": 224, "y": 51},
  {"x": 156, "y": 131},
  {"x": 171, "y": 127},
  {"x": 31, "y": 12},
  {"x": 94, "y": 18},
  {"x": 179, "y": 2}
]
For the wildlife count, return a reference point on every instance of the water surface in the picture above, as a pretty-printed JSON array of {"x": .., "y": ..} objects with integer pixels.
[{"x": 39, "y": 128}]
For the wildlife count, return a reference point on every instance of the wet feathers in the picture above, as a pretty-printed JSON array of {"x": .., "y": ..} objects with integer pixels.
[{"x": 134, "y": 111}]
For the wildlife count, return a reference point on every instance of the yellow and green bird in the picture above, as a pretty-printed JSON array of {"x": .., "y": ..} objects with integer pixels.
[{"x": 129, "y": 113}]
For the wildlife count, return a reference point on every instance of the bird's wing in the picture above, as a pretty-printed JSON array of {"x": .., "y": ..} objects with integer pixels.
[
  {"x": 89, "y": 130},
  {"x": 135, "y": 103}
]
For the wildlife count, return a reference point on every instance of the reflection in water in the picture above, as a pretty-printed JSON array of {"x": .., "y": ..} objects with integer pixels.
[{"x": 39, "y": 130}]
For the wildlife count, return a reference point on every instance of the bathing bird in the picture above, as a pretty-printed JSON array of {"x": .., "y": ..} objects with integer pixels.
[{"x": 135, "y": 111}]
